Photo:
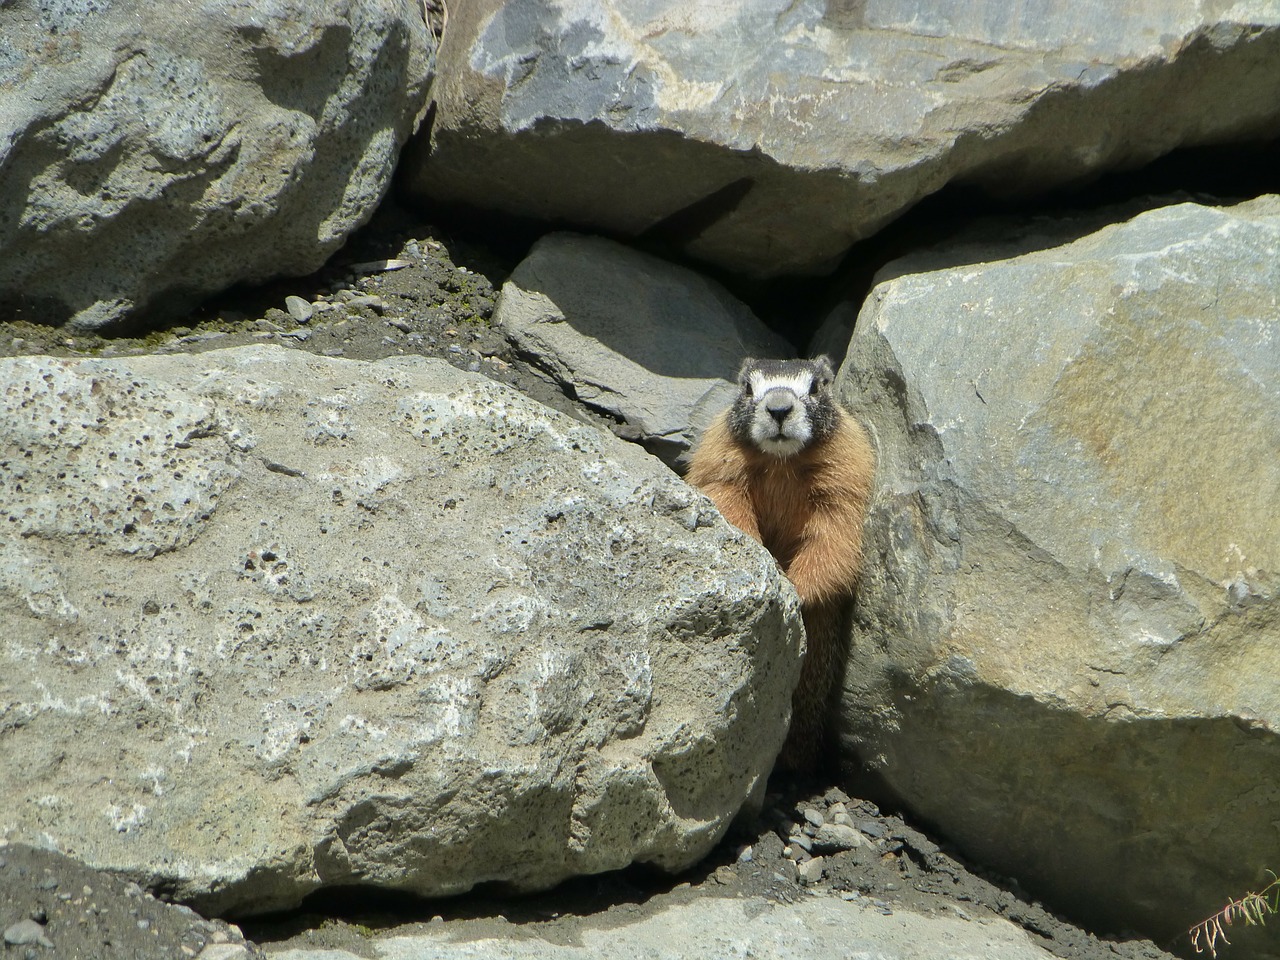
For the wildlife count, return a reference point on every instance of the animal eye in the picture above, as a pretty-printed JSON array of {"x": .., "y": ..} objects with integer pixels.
[{"x": 813, "y": 387}]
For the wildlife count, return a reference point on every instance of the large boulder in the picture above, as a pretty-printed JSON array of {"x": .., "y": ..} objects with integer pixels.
[
  {"x": 271, "y": 622},
  {"x": 152, "y": 156},
  {"x": 768, "y": 135},
  {"x": 1070, "y": 621},
  {"x": 651, "y": 345}
]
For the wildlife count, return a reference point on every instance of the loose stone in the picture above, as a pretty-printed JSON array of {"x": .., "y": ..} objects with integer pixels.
[
  {"x": 26, "y": 932},
  {"x": 300, "y": 309},
  {"x": 833, "y": 837},
  {"x": 811, "y": 870}
]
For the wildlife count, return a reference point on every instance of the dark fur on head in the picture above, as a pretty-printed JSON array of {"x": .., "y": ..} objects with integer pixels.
[{"x": 784, "y": 405}]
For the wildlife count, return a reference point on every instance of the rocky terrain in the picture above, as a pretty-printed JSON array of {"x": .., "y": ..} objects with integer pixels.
[
  {"x": 443, "y": 290},
  {"x": 336, "y": 574}
]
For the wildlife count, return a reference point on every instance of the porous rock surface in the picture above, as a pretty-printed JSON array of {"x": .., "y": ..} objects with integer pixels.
[
  {"x": 768, "y": 135},
  {"x": 1071, "y": 620},
  {"x": 152, "y": 160},
  {"x": 652, "y": 345},
  {"x": 271, "y": 622}
]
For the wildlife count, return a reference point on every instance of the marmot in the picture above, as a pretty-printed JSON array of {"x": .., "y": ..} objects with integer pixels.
[{"x": 788, "y": 466}]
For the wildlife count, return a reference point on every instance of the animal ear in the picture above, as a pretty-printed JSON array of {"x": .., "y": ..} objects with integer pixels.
[
  {"x": 825, "y": 371},
  {"x": 745, "y": 369}
]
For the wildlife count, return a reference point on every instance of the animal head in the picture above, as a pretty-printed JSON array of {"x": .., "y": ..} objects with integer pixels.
[{"x": 783, "y": 406}]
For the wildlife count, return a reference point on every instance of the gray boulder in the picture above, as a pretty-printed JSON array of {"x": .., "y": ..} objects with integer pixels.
[
  {"x": 271, "y": 622},
  {"x": 1070, "y": 635},
  {"x": 817, "y": 928},
  {"x": 155, "y": 157},
  {"x": 768, "y": 135},
  {"x": 651, "y": 345}
]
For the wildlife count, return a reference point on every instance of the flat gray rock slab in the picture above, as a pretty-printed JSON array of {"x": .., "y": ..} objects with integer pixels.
[
  {"x": 820, "y": 928},
  {"x": 766, "y": 136},
  {"x": 271, "y": 622},
  {"x": 650, "y": 344},
  {"x": 1072, "y": 642}
]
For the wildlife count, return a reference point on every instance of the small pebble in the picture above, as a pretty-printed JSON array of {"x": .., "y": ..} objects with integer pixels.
[
  {"x": 815, "y": 817},
  {"x": 811, "y": 870},
  {"x": 378, "y": 266},
  {"x": 376, "y": 304},
  {"x": 301, "y": 310},
  {"x": 26, "y": 932},
  {"x": 400, "y": 324},
  {"x": 800, "y": 840},
  {"x": 298, "y": 335},
  {"x": 834, "y": 837},
  {"x": 872, "y": 829},
  {"x": 746, "y": 854}
]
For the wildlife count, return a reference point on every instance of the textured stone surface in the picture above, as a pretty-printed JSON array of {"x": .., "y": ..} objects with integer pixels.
[
  {"x": 821, "y": 928},
  {"x": 151, "y": 160},
  {"x": 768, "y": 135},
  {"x": 270, "y": 622},
  {"x": 649, "y": 344},
  {"x": 1071, "y": 635}
]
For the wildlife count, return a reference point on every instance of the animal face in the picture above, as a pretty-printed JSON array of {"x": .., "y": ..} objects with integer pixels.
[{"x": 784, "y": 405}]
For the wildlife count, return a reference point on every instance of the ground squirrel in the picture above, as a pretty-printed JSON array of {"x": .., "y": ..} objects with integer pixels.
[{"x": 786, "y": 465}]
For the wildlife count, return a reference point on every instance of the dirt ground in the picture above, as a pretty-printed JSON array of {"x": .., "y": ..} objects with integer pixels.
[{"x": 404, "y": 287}]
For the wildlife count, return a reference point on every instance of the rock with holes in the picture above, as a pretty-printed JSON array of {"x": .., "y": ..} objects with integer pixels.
[
  {"x": 766, "y": 136},
  {"x": 1072, "y": 605},
  {"x": 151, "y": 160},
  {"x": 271, "y": 622},
  {"x": 649, "y": 344}
]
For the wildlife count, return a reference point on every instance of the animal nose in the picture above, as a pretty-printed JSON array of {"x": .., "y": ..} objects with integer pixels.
[{"x": 779, "y": 406}]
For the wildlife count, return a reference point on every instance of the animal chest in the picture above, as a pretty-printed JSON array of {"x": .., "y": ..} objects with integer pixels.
[{"x": 783, "y": 500}]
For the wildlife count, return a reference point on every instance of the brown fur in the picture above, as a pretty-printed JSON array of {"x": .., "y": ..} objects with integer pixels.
[{"x": 807, "y": 510}]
